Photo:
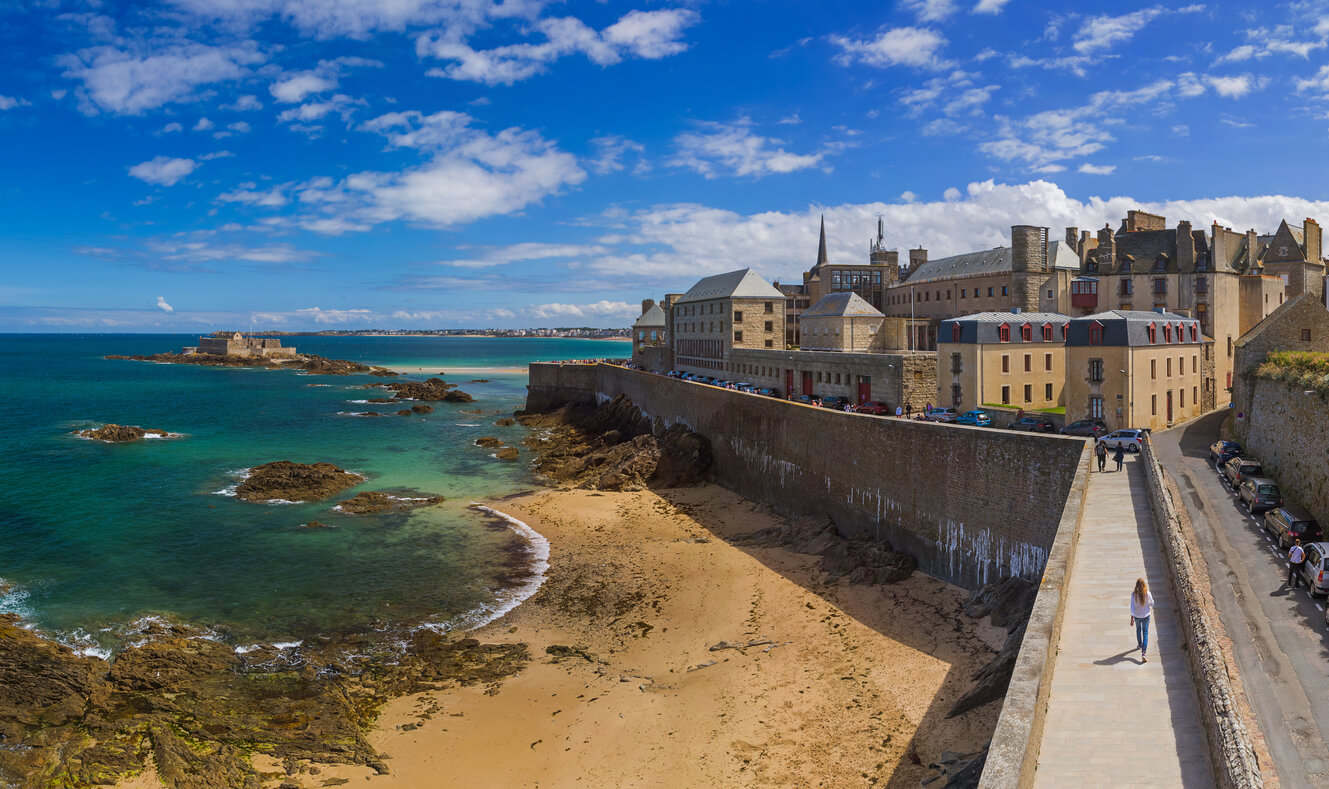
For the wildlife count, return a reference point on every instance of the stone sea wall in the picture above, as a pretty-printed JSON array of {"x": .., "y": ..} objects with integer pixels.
[
  {"x": 1288, "y": 431},
  {"x": 971, "y": 505}
]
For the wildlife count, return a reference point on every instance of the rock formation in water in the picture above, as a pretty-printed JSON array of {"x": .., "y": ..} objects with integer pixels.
[
  {"x": 435, "y": 389},
  {"x": 506, "y": 421},
  {"x": 507, "y": 453},
  {"x": 289, "y": 481},
  {"x": 421, "y": 408},
  {"x": 613, "y": 447},
  {"x": 488, "y": 442},
  {"x": 310, "y": 363},
  {"x": 196, "y": 710},
  {"x": 373, "y": 501},
  {"x": 404, "y": 412},
  {"x": 118, "y": 434}
]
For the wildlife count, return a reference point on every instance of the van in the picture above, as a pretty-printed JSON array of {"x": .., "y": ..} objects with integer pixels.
[{"x": 1290, "y": 522}]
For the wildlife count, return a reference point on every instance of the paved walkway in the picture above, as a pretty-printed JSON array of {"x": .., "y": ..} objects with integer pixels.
[{"x": 1112, "y": 720}]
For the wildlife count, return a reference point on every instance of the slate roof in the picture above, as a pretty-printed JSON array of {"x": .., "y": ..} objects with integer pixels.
[
  {"x": 1129, "y": 327},
  {"x": 835, "y": 305},
  {"x": 741, "y": 284},
  {"x": 989, "y": 261},
  {"x": 651, "y": 319},
  {"x": 981, "y": 327}
]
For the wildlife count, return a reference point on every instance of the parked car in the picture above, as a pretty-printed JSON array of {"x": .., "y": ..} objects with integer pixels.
[
  {"x": 1221, "y": 452},
  {"x": 943, "y": 415},
  {"x": 808, "y": 400},
  {"x": 766, "y": 391},
  {"x": 1238, "y": 469},
  {"x": 1259, "y": 494},
  {"x": 836, "y": 402},
  {"x": 744, "y": 386},
  {"x": 1033, "y": 424},
  {"x": 1088, "y": 428},
  {"x": 975, "y": 418},
  {"x": 1129, "y": 440},
  {"x": 876, "y": 408},
  {"x": 1316, "y": 568},
  {"x": 1290, "y": 522}
]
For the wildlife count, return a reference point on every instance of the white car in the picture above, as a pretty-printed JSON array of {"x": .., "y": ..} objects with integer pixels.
[{"x": 1129, "y": 440}]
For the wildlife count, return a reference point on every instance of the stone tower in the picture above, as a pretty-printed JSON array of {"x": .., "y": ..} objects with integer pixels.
[{"x": 1029, "y": 265}]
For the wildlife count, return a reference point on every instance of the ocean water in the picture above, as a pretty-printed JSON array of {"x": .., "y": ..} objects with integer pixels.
[{"x": 95, "y": 537}]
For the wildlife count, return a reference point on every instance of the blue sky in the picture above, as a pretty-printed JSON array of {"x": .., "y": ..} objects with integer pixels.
[{"x": 310, "y": 164}]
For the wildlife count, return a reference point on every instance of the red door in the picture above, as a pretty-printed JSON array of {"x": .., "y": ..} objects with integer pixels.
[
  {"x": 864, "y": 389},
  {"x": 807, "y": 384},
  {"x": 788, "y": 383}
]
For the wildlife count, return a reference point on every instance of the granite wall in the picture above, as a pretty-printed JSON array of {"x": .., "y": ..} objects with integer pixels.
[{"x": 1288, "y": 431}]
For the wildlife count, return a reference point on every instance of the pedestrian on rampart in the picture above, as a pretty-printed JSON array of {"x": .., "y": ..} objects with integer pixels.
[
  {"x": 909, "y": 409},
  {"x": 1295, "y": 558},
  {"x": 899, "y": 411},
  {"x": 1142, "y": 606},
  {"x": 1119, "y": 456},
  {"x": 1101, "y": 452}
]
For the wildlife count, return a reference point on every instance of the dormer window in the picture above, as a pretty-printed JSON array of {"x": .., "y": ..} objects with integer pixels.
[
  {"x": 1195, "y": 332},
  {"x": 1167, "y": 332},
  {"x": 1153, "y": 334},
  {"x": 955, "y": 332},
  {"x": 1004, "y": 332},
  {"x": 1095, "y": 333},
  {"x": 1026, "y": 333},
  {"x": 1047, "y": 332},
  {"x": 1063, "y": 330}
]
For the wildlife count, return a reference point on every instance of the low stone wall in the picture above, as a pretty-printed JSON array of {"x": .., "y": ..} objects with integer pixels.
[
  {"x": 972, "y": 505},
  {"x": 1013, "y": 753},
  {"x": 1234, "y": 760},
  {"x": 1287, "y": 431}
]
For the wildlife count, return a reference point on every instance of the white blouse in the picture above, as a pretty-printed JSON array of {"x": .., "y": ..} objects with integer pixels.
[{"x": 1141, "y": 611}]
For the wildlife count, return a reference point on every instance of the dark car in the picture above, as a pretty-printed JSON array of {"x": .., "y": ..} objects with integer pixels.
[
  {"x": 1238, "y": 469},
  {"x": 1290, "y": 522},
  {"x": 835, "y": 401},
  {"x": 875, "y": 408},
  {"x": 1259, "y": 494},
  {"x": 1089, "y": 428},
  {"x": 766, "y": 391},
  {"x": 1221, "y": 452},
  {"x": 1034, "y": 424},
  {"x": 808, "y": 400}
]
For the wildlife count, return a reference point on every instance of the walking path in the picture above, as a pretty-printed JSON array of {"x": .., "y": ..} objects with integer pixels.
[{"x": 1112, "y": 720}]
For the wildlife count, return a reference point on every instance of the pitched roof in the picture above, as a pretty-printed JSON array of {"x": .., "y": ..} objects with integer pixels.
[
  {"x": 1127, "y": 327},
  {"x": 741, "y": 284},
  {"x": 1273, "y": 318},
  {"x": 848, "y": 305},
  {"x": 988, "y": 261},
  {"x": 981, "y": 327},
  {"x": 652, "y": 318}
]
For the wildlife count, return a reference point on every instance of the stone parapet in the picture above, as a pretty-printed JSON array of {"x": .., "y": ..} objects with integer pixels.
[{"x": 1235, "y": 764}]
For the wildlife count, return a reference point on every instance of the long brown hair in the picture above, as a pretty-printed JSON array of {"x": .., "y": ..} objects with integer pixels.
[{"x": 1141, "y": 590}]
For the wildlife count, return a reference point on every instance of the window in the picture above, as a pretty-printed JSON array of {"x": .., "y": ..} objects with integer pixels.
[
  {"x": 1169, "y": 366},
  {"x": 1028, "y": 362},
  {"x": 948, "y": 295},
  {"x": 738, "y": 316},
  {"x": 1167, "y": 332},
  {"x": 1229, "y": 346},
  {"x": 1096, "y": 407},
  {"x": 1305, "y": 335},
  {"x": 1181, "y": 398},
  {"x": 1153, "y": 405},
  {"x": 1096, "y": 370},
  {"x": 989, "y": 292},
  {"x": 1195, "y": 394},
  {"x": 738, "y": 336},
  {"x": 1195, "y": 363},
  {"x": 1153, "y": 368},
  {"x": 1028, "y": 393},
  {"x": 1047, "y": 361},
  {"x": 956, "y": 396},
  {"x": 1096, "y": 334},
  {"x": 1047, "y": 392},
  {"x": 1049, "y": 294},
  {"x": 938, "y": 295},
  {"x": 956, "y": 363},
  {"x": 1160, "y": 286},
  {"x": 1125, "y": 286},
  {"x": 1047, "y": 332},
  {"x": 770, "y": 326},
  {"x": 1195, "y": 333},
  {"x": 1005, "y": 363},
  {"x": 1005, "y": 395},
  {"x": 1026, "y": 333},
  {"x": 1004, "y": 332},
  {"x": 955, "y": 332},
  {"x": 1201, "y": 285},
  {"x": 1153, "y": 334},
  {"x": 770, "y": 308},
  {"x": 1003, "y": 291},
  {"x": 961, "y": 292}
]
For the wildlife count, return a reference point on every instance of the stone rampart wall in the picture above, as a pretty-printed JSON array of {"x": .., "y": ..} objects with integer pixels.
[
  {"x": 972, "y": 505},
  {"x": 1288, "y": 431}
]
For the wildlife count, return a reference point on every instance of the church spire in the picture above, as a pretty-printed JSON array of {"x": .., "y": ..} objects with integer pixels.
[{"x": 822, "y": 260}]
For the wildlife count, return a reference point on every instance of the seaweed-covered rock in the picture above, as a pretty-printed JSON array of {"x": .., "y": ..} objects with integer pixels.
[
  {"x": 118, "y": 434},
  {"x": 507, "y": 453},
  {"x": 289, "y": 481},
  {"x": 488, "y": 442},
  {"x": 371, "y": 501},
  {"x": 421, "y": 408},
  {"x": 431, "y": 389},
  {"x": 506, "y": 421},
  {"x": 404, "y": 412}
]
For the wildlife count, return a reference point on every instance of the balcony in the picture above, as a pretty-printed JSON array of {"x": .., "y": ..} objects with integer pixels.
[{"x": 1084, "y": 292}]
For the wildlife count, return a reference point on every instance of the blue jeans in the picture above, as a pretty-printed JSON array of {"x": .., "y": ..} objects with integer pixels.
[{"x": 1142, "y": 633}]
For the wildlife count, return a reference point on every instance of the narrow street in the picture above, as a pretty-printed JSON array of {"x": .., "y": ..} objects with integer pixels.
[{"x": 1279, "y": 635}]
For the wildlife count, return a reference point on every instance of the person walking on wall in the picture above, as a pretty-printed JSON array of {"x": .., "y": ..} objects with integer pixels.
[
  {"x": 1295, "y": 558},
  {"x": 1142, "y": 606},
  {"x": 908, "y": 409},
  {"x": 1119, "y": 456},
  {"x": 899, "y": 411},
  {"x": 1101, "y": 452}
]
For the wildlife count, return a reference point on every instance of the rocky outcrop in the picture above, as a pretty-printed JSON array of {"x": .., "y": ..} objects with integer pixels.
[
  {"x": 374, "y": 501},
  {"x": 421, "y": 408},
  {"x": 287, "y": 481},
  {"x": 507, "y": 453},
  {"x": 859, "y": 561},
  {"x": 432, "y": 389},
  {"x": 118, "y": 434},
  {"x": 1009, "y": 603},
  {"x": 404, "y": 412},
  {"x": 613, "y": 447},
  {"x": 310, "y": 363},
  {"x": 488, "y": 442},
  {"x": 506, "y": 421}
]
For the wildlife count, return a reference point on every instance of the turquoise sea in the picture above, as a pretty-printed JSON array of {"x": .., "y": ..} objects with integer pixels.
[{"x": 95, "y": 537}]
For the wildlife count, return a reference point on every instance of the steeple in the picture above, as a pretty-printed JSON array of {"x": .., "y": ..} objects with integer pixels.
[{"x": 822, "y": 259}]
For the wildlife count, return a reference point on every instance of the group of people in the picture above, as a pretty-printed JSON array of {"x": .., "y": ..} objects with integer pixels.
[{"x": 1118, "y": 455}]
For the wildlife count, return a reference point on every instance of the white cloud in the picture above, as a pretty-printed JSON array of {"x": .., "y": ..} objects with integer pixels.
[
  {"x": 1235, "y": 87},
  {"x": 171, "y": 128},
  {"x": 733, "y": 149},
  {"x": 239, "y": 127},
  {"x": 1097, "y": 169},
  {"x": 245, "y": 103},
  {"x": 1104, "y": 32},
  {"x": 526, "y": 251},
  {"x": 315, "y": 110},
  {"x": 1237, "y": 54},
  {"x": 598, "y": 309},
  {"x": 9, "y": 103},
  {"x": 163, "y": 306},
  {"x": 203, "y": 124},
  {"x": 163, "y": 170},
  {"x": 610, "y": 152},
  {"x": 901, "y": 46},
  {"x": 207, "y": 157},
  {"x": 191, "y": 251},
  {"x": 296, "y": 87},
  {"x": 930, "y": 10},
  {"x": 649, "y": 35},
  {"x": 130, "y": 82},
  {"x": 360, "y": 18},
  {"x": 990, "y": 6},
  {"x": 247, "y": 195}
]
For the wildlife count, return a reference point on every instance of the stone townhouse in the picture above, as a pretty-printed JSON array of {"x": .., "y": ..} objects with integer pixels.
[
  {"x": 648, "y": 331},
  {"x": 1134, "y": 368},
  {"x": 723, "y": 313},
  {"x": 1300, "y": 324},
  {"x": 1002, "y": 358}
]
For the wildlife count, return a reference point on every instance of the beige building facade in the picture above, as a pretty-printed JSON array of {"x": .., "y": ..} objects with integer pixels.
[
  {"x": 723, "y": 313},
  {"x": 1001, "y": 358}
]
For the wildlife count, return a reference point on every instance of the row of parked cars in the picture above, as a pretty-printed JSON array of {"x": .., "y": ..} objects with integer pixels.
[
  {"x": 738, "y": 386},
  {"x": 1284, "y": 520}
]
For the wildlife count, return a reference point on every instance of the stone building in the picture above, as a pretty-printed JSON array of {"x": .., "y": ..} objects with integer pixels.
[
  {"x": 236, "y": 344},
  {"x": 841, "y": 322},
  {"x": 1300, "y": 324},
  {"x": 1133, "y": 368},
  {"x": 1002, "y": 358},
  {"x": 900, "y": 378},
  {"x": 722, "y": 313},
  {"x": 648, "y": 331}
]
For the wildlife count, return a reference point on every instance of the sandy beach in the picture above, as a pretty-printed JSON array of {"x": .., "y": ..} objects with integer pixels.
[{"x": 841, "y": 685}]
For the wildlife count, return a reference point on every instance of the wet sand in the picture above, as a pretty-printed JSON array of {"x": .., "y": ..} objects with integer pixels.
[{"x": 841, "y": 686}]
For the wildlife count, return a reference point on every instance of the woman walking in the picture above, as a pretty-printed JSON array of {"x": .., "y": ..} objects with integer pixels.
[
  {"x": 1119, "y": 456},
  {"x": 1142, "y": 606}
]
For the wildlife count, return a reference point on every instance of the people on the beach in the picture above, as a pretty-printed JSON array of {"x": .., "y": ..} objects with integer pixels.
[
  {"x": 1101, "y": 452},
  {"x": 1142, "y": 606},
  {"x": 1119, "y": 456},
  {"x": 1295, "y": 558}
]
